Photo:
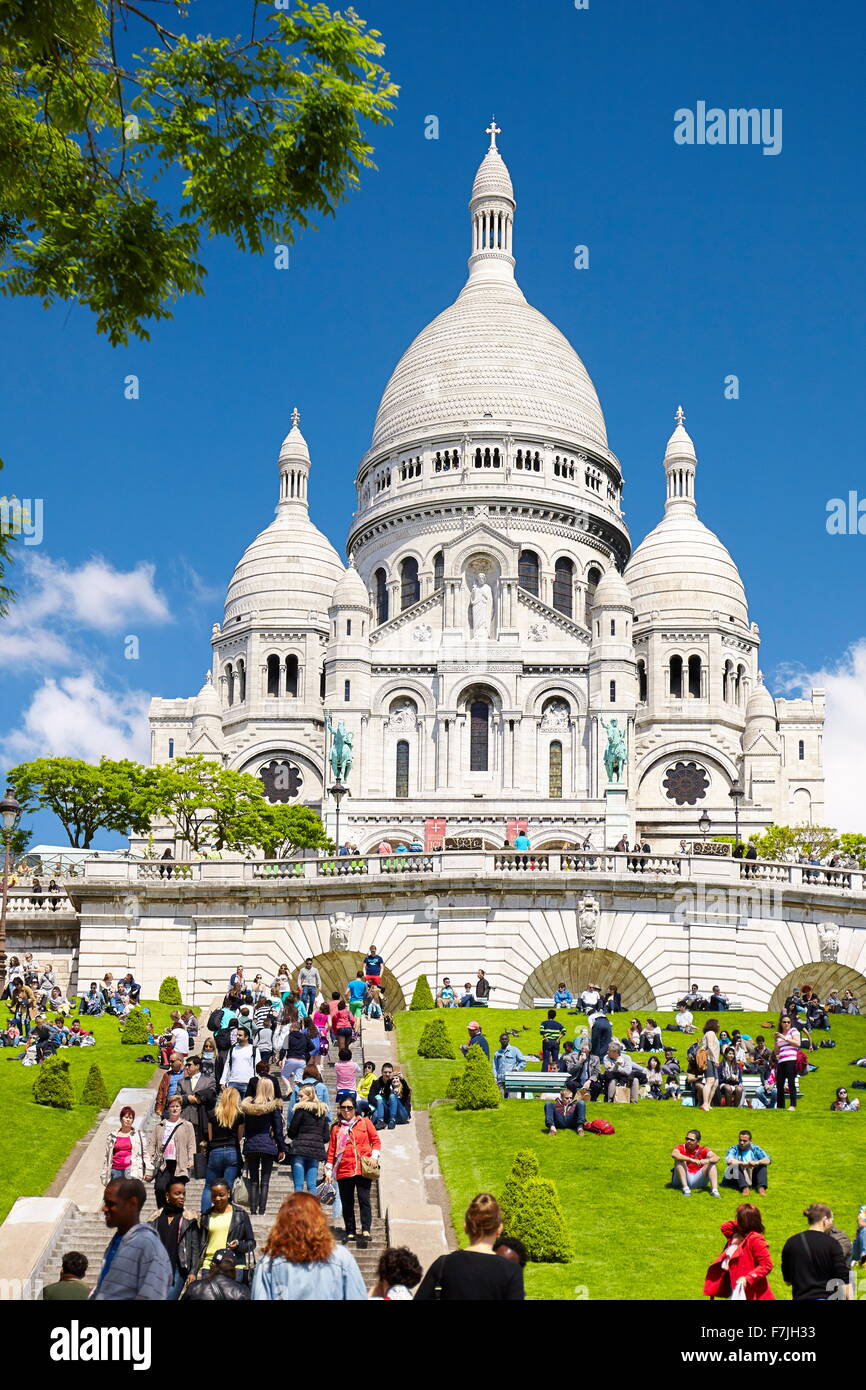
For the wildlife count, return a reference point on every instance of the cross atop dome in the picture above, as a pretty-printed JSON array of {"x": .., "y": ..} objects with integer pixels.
[
  {"x": 680, "y": 416},
  {"x": 296, "y": 418},
  {"x": 493, "y": 130}
]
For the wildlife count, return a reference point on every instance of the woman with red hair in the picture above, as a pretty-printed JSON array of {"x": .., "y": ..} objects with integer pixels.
[
  {"x": 745, "y": 1261},
  {"x": 302, "y": 1260}
]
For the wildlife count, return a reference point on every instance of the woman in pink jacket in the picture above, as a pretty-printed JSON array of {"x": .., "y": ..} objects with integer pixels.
[{"x": 745, "y": 1261}]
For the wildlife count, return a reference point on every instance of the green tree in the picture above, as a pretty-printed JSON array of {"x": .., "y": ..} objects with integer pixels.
[
  {"x": 169, "y": 991},
  {"x": 248, "y": 136},
  {"x": 435, "y": 1040},
  {"x": 422, "y": 996},
  {"x": 112, "y": 795},
  {"x": 479, "y": 1090},
  {"x": 95, "y": 1092},
  {"x": 788, "y": 842},
  {"x": 183, "y": 793},
  {"x": 280, "y": 831},
  {"x": 854, "y": 845},
  {"x": 53, "y": 1085},
  {"x": 538, "y": 1221}
]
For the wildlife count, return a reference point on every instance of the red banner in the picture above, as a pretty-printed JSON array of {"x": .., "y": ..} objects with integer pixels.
[
  {"x": 434, "y": 835},
  {"x": 513, "y": 828}
]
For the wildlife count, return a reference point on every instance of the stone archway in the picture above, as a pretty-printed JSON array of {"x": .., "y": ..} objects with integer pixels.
[
  {"x": 822, "y": 976},
  {"x": 580, "y": 968},
  {"x": 337, "y": 968}
]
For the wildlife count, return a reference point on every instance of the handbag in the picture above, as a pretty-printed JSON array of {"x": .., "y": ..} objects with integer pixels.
[
  {"x": 161, "y": 1162},
  {"x": 702, "y": 1056},
  {"x": 368, "y": 1163},
  {"x": 241, "y": 1192}
]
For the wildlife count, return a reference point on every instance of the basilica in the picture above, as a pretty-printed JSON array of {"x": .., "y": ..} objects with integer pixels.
[{"x": 494, "y": 656}]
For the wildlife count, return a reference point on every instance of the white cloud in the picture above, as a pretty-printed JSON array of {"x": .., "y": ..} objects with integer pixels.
[
  {"x": 76, "y": 717},
  {"x": 844, "y": 734}
]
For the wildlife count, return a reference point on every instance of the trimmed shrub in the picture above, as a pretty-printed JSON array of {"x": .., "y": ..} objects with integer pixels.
[
  {"x": 538, "y": 1221},
  {"x": 523, "y": 1170},
  {"x": 135, "y": 1028},
  {"x": 452, "y": 1090},
  {"x": 95, "y": 1092},
  {"x": 169, "y": 991},
  {"x": 478, "y": 1090},
  {"x": 422, "y": 997},
  {"x": 53, "y": 1085},
  {"x": 435, "y": 1040}
]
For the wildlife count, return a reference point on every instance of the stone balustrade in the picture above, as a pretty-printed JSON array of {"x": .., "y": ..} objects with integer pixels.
[
  {"x": 23, "y": 903},
  {"x": 487, "y": 864}
]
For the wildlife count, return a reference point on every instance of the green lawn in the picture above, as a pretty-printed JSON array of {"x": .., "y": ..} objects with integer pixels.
[
  {"x": 633, "y": 1237},
  {"x": 34, "y": 1139}
]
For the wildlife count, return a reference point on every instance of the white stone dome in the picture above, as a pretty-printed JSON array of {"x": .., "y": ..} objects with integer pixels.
[
  {"x": 289, "y": 570},
  {"x": 612, "y": 590},
  {"x": 490, "y": 354},
  {"x": 351, "y": 591},
  {"x": 207, "y": 701},
  {"x": 682, "y": 570},
  {"x": 492, "y": 179},
  {"x": 761, "y": 704}
]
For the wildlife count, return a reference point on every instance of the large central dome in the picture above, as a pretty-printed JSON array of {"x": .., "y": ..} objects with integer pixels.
[{"x": 490, "y": 356}]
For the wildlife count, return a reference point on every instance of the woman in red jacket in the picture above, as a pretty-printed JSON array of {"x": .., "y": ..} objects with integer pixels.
[
  {"x": 353, "y": 1139},
  {"x": 745, "y": 1260}
]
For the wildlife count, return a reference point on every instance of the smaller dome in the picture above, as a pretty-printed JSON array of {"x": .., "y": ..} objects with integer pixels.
[
  {"x": 351, "y": 592},
  {"x": 612, "y": 591},
  {"x": 207, "y": 702},
  {"x": 492, "y": 179},
  {"x": 761, "y": 704},
  {"x": 680, "y": 445},
  {"x": 294, "y": 446}
]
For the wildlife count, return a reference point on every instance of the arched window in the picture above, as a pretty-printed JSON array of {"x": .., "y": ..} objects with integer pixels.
[
  {"x": 230, "y": 685},
  {"x": 728, "y": 681},
  {"x": 593, "y": 576},
  {"x": 347, "y": 691},
  {"x": 292, "y": 676},
  {"x": 380, "y": 579},
  {"x": 402, "y": 769},
  {"x": 563, "y": 586},
  {"x": 527, "y": 571},
  {"x": 641, "y": 682},
  {"x": 242, "y": 680},
  {"x": 554, "y": 775},
  {"x": 613, "y": 692},
  {"x": 274, "y": 675},
  {"x": 479, "y": 736},
  {"x": 410, "y": 585},
  {"x": 676, "y": 677},
  {"x": 322, "y": 684},
  {"x": 695, "y": 677},
  {"x": 171, "y": 748},
  {"x": 439, "y": 570},
  {"x": 740, "y": 685},
  {"x": 801, "y": 751}
]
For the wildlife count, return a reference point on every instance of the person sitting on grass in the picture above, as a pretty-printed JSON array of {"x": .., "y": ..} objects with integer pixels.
[
  {"x": 656, "y": 1082},
  {"x": 695, "y": 1166},
  {"x": 748, "y": 1164},
  {"x": 390, "y": 1099},
  {"x": 843, "y": 1101},
  {"x": 467, "y": 998},
  {"x": 650, "y": 1037},
  {"x": 563, "y": 996},
  {"x": 583, "y": 1069},
  {"x": 621, "y": 1071},
  {"x": 684, "y": 1021},
  {"x": 671, "y": 1071},
  {"x": 447, "y": 996},
  {"x": 565, "y": 1113},
  {"x": 632, "y": 1040}
]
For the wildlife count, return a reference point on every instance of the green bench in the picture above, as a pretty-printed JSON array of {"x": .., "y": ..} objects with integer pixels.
[{"x": 534, "y": 1083}]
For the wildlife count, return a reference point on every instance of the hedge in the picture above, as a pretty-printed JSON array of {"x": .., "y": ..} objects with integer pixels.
[
  {"x": 136, "y": 1028},
  {"x": 523, "y": 1170},
  {"x": 422, "y": 997},
  {"x": 169, "y": 991},
  {"x": 435, "y": 1040},
  {"x": 95, "y": 1092},
  {"x": 452, "y": 1090},
  {"x": 53, "y": 1085},
  {"x": 538, "y": 1221},
  {"x": 478, "y": 1090}
]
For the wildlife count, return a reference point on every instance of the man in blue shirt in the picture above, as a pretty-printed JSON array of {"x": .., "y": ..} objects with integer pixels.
[
  {"x": 551, "y": 1036},
  {"x": 356, "y": 990},
  {"x": 506, "y": 1058},
  {"x": 373, "y": 967},
  {"x": 749, "y": 1163},
  {"x": 522, "y": 841},
  {"x": 476, "y": 1038},
  {"x": 447, "y": 996},
  {"x": 563, "y": 995}
]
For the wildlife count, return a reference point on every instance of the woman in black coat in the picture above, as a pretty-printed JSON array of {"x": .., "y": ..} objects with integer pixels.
[
  {"x": 309, "y": 1132},
  {"x": 264, "y": 1141}
]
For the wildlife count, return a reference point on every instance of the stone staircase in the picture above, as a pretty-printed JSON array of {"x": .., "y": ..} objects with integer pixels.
[{"x": 86, "y": 1231}]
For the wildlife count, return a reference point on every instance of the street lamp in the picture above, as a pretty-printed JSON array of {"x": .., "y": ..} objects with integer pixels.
[
  {"x": 704, "y": 826},
  {"x": 338, "y": 791},
  {"x": 736, "y": 794},
  {"x": 10, "y": 810}
]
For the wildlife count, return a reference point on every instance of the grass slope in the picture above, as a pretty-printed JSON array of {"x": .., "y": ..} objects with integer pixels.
[
  {"x": 34, "y": 1139},
  {"x": 635, "y": 1238}
]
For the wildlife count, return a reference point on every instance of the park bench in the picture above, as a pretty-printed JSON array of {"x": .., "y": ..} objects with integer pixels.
[
  {"x": 534, "y": 1083},
  {"x": 751, "y": 1085},
  {"x": 544, "y": 1004}
]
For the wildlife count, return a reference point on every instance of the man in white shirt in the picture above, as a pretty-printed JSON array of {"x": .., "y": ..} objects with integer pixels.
[
  {"x": 685, "y": 1020},
  {"x": 309, "y": 984},
  {"x": 180, "y": 1040}
]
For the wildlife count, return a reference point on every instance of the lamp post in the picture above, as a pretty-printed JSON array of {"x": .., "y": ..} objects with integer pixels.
[
  {"x": 338, "y": 791},
  {"x": 10, "y": 810},
  {"x": 704, "y": 826},
  {"x": 736, "y": 794}
]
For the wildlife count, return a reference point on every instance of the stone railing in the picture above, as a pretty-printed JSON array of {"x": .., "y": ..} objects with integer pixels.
[
  {"x": 25, "y": 903},
  {"x": 495, "y": 864}
]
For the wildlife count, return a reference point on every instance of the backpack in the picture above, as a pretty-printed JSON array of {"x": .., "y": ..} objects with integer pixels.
[
  {"x": 214, "y": 1020},
  {"x": 599, "y": 1127},
  {"x": 802, "y": 1063}
]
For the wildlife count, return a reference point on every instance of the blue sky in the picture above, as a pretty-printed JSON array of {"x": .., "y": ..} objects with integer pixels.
[{"x": 704, "y": 261}]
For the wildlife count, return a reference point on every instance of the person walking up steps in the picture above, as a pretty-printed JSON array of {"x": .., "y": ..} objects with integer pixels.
[{"x": 353, "y": 1146}]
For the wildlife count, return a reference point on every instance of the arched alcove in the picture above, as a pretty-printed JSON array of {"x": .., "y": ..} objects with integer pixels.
[
  {"x": 337, "y": 968},
  {"x": 580, "y": 968},
  {"x": 822, "y": 976}
]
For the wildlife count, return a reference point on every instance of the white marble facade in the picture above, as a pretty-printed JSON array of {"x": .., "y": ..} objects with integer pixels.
[{"x": 492, "y": 613}]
